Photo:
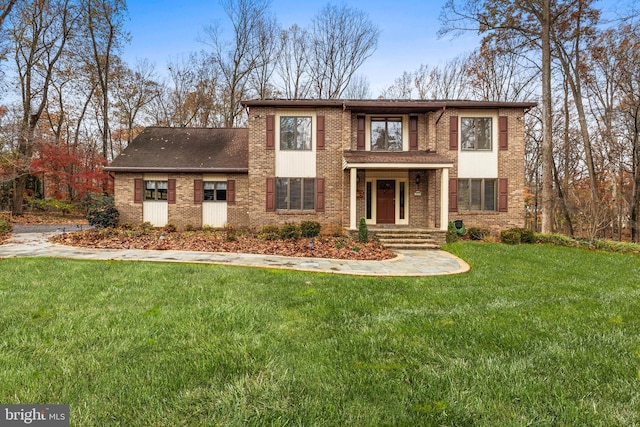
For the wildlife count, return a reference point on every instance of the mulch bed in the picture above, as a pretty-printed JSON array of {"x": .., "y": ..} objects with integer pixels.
[{"x": 217, "y": 241}]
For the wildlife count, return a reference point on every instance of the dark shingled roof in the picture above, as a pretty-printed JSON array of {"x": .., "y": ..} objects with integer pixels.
[
  {"x": 164, "y": 149},
  {"x": 396, "y": 157},
  {"x": 376, "y": 106}
]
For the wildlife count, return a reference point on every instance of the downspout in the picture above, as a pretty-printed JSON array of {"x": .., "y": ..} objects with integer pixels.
[{"x": 444, "y": 108}]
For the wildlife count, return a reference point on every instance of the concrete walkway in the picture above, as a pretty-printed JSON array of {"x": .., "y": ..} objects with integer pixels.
[{"x": 32, "y": 241}]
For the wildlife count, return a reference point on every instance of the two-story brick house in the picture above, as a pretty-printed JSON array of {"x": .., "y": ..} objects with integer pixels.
[{"x": 415, "y": 164}]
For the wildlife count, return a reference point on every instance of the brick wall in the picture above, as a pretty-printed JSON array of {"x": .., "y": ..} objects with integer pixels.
[
  {"x": 262, "y": 166},
  {"x": 123, "y": 191},
  {"x": 184, "y": 213},
  {"x": 510, "y": 166},
  {"x": 340, "y": 134}
]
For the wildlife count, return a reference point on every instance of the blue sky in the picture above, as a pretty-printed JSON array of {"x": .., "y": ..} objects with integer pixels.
[{"x": 165, "y": 29}]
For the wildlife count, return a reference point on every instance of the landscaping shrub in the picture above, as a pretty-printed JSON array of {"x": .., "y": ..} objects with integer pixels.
[
  {"x": 363, "y": 231},
  {"x": 52, "y": 205},
  {"x": 170, "y": 228},
  {"x": 597, "y": 244},
  {"x": 290, "y": 231},
  {"x": 511, "y": 236},
  {"x": 310, "y": 229},
  {"x": 230, "y": 233},
  {"x": 103, "y": 214},
  {"x": 269, "y": 232},
  {"x": 452, "y": 233},
  {"x": 5, "y": 226},
  {"x": 476, "y": 233},
  {"x": 527, "y": 236}
]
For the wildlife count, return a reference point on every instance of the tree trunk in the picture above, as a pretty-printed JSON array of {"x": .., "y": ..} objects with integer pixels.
[
  {"x": 547, "y": 141},
  {"x": 635, "y": 200}
]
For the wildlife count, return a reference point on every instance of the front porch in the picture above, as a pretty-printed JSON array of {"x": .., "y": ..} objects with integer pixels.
[{"x": 408, "y": 189}]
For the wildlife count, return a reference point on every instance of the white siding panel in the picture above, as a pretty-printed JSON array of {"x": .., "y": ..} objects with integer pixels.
[
  {"x": 156, "y": 213},
  {"x": 214, "y": 214},
  {"x": 478, "y": 164},
  {"x": 298, "y": 164}
]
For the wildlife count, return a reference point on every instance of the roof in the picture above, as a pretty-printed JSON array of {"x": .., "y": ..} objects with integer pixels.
[
  {"x": 166, "y": 149},
  {"x": 385, "y": 159},
  {"x": 386, "y": 105}
]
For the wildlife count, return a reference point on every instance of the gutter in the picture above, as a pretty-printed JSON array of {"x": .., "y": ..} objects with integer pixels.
[{"x": 174, "y": 170}]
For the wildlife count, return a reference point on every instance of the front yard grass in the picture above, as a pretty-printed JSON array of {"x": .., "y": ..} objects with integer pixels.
[{"x": 534, "y": 335}]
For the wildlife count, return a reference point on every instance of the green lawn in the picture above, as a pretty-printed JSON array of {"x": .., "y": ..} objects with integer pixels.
[{"x": 534, "y": 335}]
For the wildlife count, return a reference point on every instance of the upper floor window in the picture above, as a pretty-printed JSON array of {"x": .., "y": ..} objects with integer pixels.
[
  {"x": 476, "y": 133},
  {"x": 156, "y": 190},
  {"x": 386, "y": 134},
  {"x": 214, "y": 191},
  {"x": 295, "y": 133}
]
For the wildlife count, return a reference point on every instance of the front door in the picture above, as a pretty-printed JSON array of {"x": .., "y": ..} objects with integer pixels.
[{"x": 386, "y": 202}]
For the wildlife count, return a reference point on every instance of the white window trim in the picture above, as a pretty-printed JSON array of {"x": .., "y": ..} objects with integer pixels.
[{"x": 405, "y": 130}]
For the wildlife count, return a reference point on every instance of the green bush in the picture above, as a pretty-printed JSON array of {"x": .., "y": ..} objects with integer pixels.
[
  {"x": 269, "y": 232},
  {"x": 290, "y": 232},
  {"x": 170, "y": 228},
  {"x": 310, "y": 229},
  {"x": 452, "y": 233},
  {"x": 597, "y": 244},
  {"x": 103, "y": 214},
  {"x": 49, "y": 205},
  {"x": 511, "y": 236},
  {"x": 476, "y": 233},
  {"x": 363, "y": 231},
  {"x": 527, "y": 236},
  {"x": 5, "y": 226},
  {"x": 230, "y": 233}
]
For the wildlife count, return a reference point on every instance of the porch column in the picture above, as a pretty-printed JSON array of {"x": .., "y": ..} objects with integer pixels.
[
  {"x": 353, "y": 198},
  {"x": 444, "y": 199}
]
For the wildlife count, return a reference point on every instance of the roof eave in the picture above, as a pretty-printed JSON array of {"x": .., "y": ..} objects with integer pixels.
[{"x": 174, "y": 170}]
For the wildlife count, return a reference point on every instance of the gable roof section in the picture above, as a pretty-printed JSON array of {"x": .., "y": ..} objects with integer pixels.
[{"x": 204, "y": 150}]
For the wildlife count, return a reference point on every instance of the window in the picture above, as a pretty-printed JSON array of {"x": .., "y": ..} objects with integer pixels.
[
  {"x": 295, "y": 133},
  {"x": 386, "y": 134},
  {"x": 156, "y": 190},
  {"x": 475, "y": 133},
  {"x": 477, "y": 194},
  {"x": 295, "y": 194},
  {"x": 214, "y": 191}
]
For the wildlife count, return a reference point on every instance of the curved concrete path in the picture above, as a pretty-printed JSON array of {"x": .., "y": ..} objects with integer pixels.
[{"x": 32, "y": 241}]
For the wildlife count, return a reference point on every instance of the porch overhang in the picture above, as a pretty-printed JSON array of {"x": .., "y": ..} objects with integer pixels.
[
  {"x": 402, "y": 160},
  {"x": 394, "y": 160}
]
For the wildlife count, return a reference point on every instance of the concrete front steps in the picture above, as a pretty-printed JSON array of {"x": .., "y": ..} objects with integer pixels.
[{"x": 409, "y": 238}]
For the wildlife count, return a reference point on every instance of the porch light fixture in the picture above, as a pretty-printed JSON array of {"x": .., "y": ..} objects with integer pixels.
[{"x": 418, "y": 179}]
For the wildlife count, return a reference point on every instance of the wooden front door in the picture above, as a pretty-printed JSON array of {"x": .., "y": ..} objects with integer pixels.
[{"x": 386, "y": 202}]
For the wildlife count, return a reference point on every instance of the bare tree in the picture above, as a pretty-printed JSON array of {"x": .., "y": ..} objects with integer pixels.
[
  {"x": 574, "y": 27},
  {"x": 358, "y": 88},
  {"x": 528, "y": 20},
  {"x": 39, "y": 33},
  {"x": 293, "y": 66},
  {"x": 5, "y": 9},
  {"x": 498, "y": 73},
  {"x": 242, "y": 56},
  {"x": 341, "y": 39},
  {"x": 402, "y": 87},
  {"x": 104, "y": 23},
  {"x": 134, "y": 90}
]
